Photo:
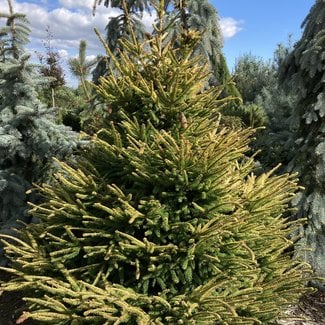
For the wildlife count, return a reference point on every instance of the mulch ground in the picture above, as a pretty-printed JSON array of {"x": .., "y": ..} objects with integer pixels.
[{"x": 309, "y": 311}]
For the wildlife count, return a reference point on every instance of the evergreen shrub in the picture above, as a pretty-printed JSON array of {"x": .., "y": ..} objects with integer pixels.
[{"x": 160, "y": 220}]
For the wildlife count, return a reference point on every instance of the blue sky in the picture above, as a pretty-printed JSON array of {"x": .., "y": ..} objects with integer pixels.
[
  {"x": 254, "y": 26},
  {"x": 264, "y": 23}
]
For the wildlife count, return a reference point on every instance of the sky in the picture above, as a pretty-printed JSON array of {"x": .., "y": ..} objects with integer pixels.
[
  {"x": 261, "y": 25},
  {"x": 248, "y": 26}
]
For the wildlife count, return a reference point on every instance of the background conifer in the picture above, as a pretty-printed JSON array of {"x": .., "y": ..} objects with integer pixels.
[
  {"x": 303, "y": 72},
  {"x": 29, "y": 135},
  {"x": 265, "y": 103},
  {"x": 80, "y": 67}
]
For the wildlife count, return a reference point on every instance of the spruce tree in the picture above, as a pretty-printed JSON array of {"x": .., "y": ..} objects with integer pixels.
[
  {"x": 198, "y": 15},
  {"x": 80, "y": 67},
  {"x": 118, "y": 27},
  {"x": 251, "y": 75},
  {"x": 29, "y": 135},
  {"x": 265, "y": 103},
  {"x": 303, "y": 71},
  {"x": 160, "y": 220},
  {"x": 278, "y": 103}
]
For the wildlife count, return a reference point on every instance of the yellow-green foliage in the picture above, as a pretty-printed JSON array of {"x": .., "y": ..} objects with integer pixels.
[{"x": 160, "y": 221}]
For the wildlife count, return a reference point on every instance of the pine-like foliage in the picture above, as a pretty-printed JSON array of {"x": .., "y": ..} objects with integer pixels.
[
  {"x": 304, "y": 71},
  {"x": 266, "y": 103},
  {"x": 160, "y": 221},
  {"x": 247, "y": 115},
  {"x": 251, "y": 75},
  {"x": 197, "y": 15},
  {"x": 29, "y": 136},
  {"x": 201, "y": 16},
  {"x": 118, "y": 27},
  {"x": 80, "y": 67}
]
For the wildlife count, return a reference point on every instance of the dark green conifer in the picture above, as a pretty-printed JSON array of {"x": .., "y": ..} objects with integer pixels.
[
  {"x": 251, "y": 75},
  {"x": 257, "y": 81},
  {"x": 160, "y": 220},
  {"x": 303, "y": 72}
]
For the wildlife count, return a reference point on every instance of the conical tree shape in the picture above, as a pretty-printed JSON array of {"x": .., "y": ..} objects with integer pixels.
[
  {"x": 80, "y": 67},
  {"x": 303, "y": 72},
  {"x": 160, "y": 221},
  {"x": 196, "y": 15}
]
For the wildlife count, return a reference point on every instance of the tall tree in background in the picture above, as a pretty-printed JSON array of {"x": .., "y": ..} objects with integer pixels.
[
  {"x": 29, "y": 135},
  {"x": 304, "y": 71},
  {"x": 80, "y": 67},
  {"x": 118, "y": 27},
  {"x": 275, "y": 140},
  {"x": 257, "y": 81},
  {"x": 251, "y": 75}
]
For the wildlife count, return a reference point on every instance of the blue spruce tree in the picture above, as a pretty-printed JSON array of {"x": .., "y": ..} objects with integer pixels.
[
  {"x": 29, "y": 135},
  {"x": 304, "y": 71}
]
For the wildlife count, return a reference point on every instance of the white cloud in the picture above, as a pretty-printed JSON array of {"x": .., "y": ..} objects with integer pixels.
[
  {"x": 73, "y": 4},
  {"x": 90, "y": 57},
  {"x": 68, "y": 25},
  {"x": 148, "y": 20},
  {"x": 70, "y": 22},
  {"x": 230, "y": 26},
  {"x": 64, "y": 54}
]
